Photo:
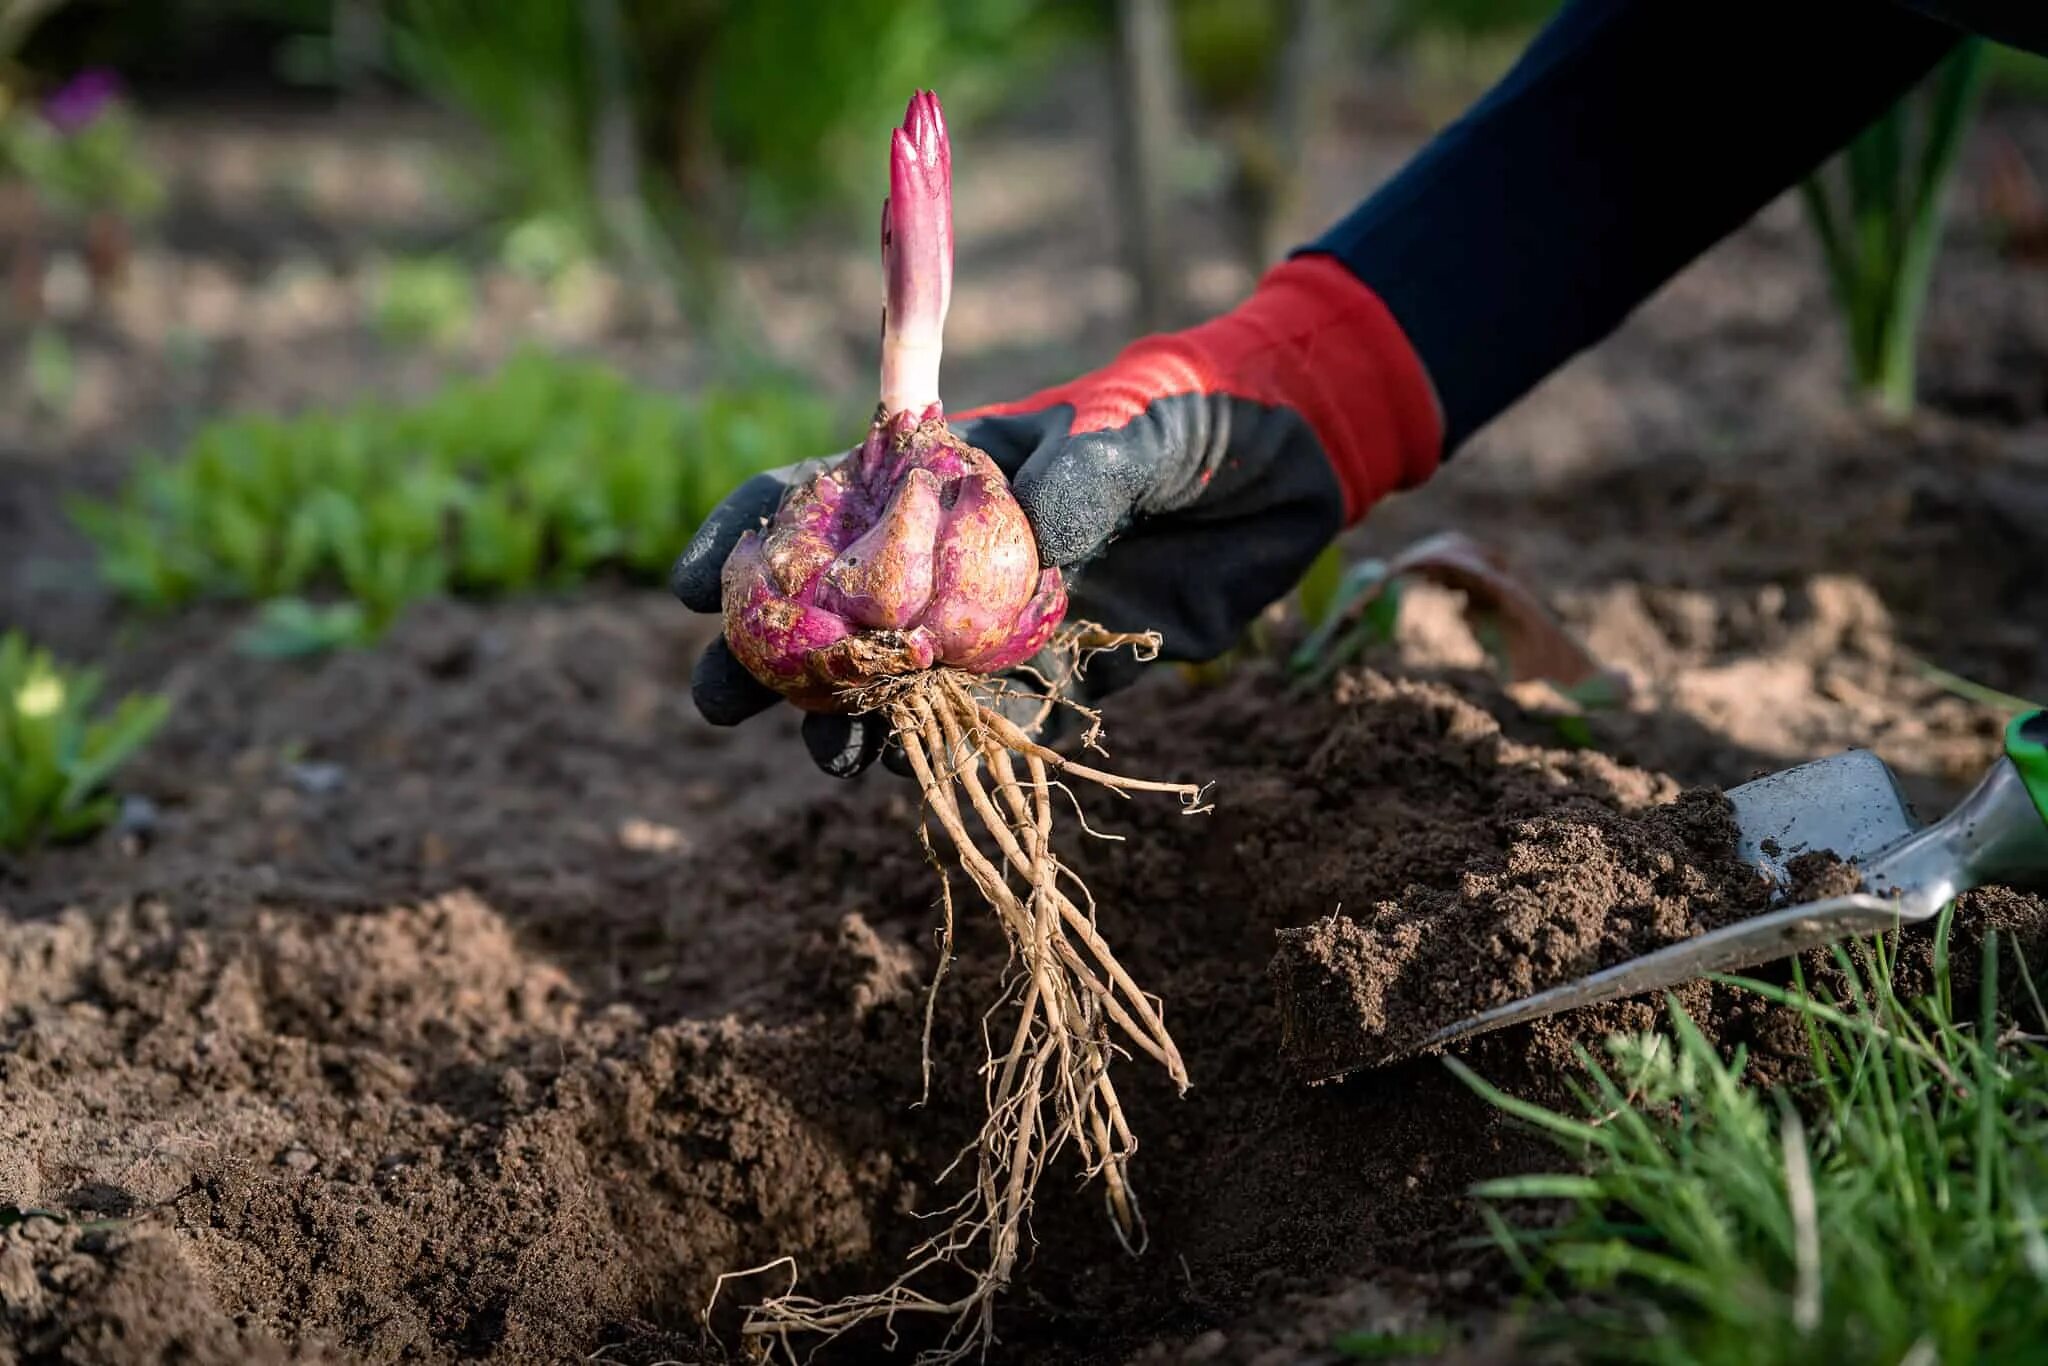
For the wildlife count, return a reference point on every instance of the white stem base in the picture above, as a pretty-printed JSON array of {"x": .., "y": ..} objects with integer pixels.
[{"x": 910, "y": 374}]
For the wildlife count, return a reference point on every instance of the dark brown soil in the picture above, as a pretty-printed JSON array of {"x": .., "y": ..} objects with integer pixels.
[
  {"x": 113, "y": 1292},
  {"x": 537, "y": 1111},
  {"x": 1570, "y": 892}
]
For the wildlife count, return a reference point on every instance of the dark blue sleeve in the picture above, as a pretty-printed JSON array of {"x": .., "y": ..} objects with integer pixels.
[{"x": 1630, "y": 137}]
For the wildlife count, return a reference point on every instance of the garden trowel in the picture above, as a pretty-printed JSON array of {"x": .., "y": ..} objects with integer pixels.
[{"x": 1848, "y": 804}]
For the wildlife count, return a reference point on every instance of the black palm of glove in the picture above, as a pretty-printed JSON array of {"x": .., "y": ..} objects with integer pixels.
[{"x": 1181, "y": 489}]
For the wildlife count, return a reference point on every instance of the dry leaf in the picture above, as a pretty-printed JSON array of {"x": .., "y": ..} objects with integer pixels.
[{"x": 1528, "y": 640}]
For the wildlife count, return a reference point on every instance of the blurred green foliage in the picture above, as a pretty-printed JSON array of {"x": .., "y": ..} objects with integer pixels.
[
  {"x": 1457, "y": 49},
  {"x": 1879, "y": 212},
  {"x": 56, "y": 755},
  {"x": 2017, "y": 73},
  {"x": 425, "y": 299},
  {"x": 99, "y": 167},
  {"x": 1316, "y": 595},
  {"x": 51, "y": 370},
  {"x": 543, "y": 474},
  {"x": 1227, "y": 50},
  {"x": 802, "y": 96},
  {"x": 1467, "y": 18},
  {"x": 1424, "y": 1344},
  {"x": 520, "y": 72},
  {"x": 542, "y": 249},
  {"x": 293, "y": 628},
  {"x": 742, "y": 115},
  {"x": 659, "y": 132}
]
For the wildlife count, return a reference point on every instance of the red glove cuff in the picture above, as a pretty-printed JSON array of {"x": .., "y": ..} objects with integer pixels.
[{"x": 1312, "y": 337}]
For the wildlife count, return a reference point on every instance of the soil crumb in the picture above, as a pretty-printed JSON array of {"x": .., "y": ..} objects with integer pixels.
[
  {"x": 1819, "y": 874},
  {"x": 1567, "y": 895}
]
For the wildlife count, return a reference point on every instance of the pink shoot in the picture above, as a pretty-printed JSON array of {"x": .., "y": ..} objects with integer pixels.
[{"x": 917, "y": 257}]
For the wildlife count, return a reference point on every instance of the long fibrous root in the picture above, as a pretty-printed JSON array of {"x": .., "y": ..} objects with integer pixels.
[{"x": 1077, "y": 1008}]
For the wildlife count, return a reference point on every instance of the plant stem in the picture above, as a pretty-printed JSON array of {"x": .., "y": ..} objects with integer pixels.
[
  {"x": 917, "y": 257},
  {"x": 1881, "y": 238},
  {"x": 1957, "y": 83}
]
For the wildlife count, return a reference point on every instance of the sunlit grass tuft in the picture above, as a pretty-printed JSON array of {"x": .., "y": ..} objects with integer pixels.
[{"x": 1891, "y": 1210}]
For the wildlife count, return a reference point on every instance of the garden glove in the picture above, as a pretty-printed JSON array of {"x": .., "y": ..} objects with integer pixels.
[{"x": 1181, "y": 489}]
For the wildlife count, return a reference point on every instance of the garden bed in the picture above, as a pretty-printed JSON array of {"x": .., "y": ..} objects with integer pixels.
[
  {"x": 469, "y": 998},
  {"x": 455, "y": 1010}
]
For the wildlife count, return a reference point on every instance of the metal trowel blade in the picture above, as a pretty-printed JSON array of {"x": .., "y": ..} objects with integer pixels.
[{"x": 1847, "y": 803}]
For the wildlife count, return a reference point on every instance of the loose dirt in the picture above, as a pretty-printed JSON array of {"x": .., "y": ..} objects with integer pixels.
[
  {"x": 1819, "y": 874},
  {"x": 538, "y": 1107},
  {"x": 1570, "y": 892}
]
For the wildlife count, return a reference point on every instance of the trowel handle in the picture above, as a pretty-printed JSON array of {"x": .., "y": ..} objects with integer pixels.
[
  {"x": 1998, "y": 833},
  {"x": 2026, "y": 744}
]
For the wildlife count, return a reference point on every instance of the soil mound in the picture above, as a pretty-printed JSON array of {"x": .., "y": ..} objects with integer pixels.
[{"x": 1568, "y": 895}]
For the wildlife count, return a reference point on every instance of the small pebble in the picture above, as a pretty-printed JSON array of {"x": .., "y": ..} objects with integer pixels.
[
  {"x": 139, "y": 816},
  {"x": 67, "y": 286},
  {"x": 650, "y": 837},
  {"x": 317, "y": 779}
]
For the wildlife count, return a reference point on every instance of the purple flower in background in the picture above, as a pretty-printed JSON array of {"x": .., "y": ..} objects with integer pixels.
[{"x": 80, "y": 100}]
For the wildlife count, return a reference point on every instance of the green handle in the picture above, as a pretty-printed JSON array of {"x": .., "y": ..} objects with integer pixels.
[{"x": 2026, "y": 744}]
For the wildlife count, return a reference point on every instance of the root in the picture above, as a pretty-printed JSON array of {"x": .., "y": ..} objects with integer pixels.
[{"x": 1050, "y": 1086}]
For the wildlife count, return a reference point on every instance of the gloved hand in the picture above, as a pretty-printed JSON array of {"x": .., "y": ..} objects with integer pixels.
[{"x": 1181, "y": 489}]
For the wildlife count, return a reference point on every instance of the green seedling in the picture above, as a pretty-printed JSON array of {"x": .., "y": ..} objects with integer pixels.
[
  {"x": 1573, "y": 722},
  {"x": 56, "y": 755},
  {"x": 96, "y": 166},
  {"x": 538, "y": 477},
  {"x": 1362, "y": 608},
  {"x": 1421, "y": 1346},
  {"x": 52, "y": 371},
  {"x": 1891, "y": 1209},
  {"x": 543, "y": 247},
  {"x": 292, "y": 628},
  {"x": 427, "y": 299},
  {"x": 1316, "y": 594},
  {"x": 1878, "y": 214}
]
